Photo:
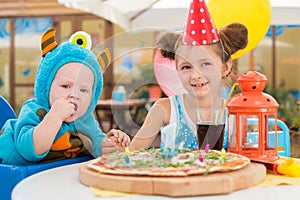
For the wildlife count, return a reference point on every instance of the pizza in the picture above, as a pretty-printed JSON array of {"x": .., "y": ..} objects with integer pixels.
[{"x": 153, "y": 162}]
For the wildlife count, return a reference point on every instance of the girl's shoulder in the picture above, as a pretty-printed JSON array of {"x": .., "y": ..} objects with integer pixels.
[
  {"x": 163, "y": 101},
  {"x": 163, "y": 106},
  {"x": 168, "y": 100}
]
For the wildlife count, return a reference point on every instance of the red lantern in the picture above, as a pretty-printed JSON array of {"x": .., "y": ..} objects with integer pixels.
[{"x": 252, "y": 119}]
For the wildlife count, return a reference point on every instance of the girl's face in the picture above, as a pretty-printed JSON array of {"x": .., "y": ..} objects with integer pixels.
[
  {"x": 74, "y": 82},
  {"x": 201, "y": 70}
]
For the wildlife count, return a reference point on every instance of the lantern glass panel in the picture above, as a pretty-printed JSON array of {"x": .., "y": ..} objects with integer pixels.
[
  {"x": 252, "y": 138},
  {"x": 232, "y": 130},
  {"x": 271, "y": 139}
]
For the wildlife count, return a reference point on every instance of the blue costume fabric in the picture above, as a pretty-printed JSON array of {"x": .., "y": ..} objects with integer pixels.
[
  {"x": 184, "y": 129},
  {"x": 16, "y": 136}
]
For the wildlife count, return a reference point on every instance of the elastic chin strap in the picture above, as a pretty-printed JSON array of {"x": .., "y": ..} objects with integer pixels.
[
  {"x": 224, "y": 52},
  {"x": 229, "y": 73}
]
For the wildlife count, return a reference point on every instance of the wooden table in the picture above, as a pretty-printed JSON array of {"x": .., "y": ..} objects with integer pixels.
[{"x": 119, "y": 113}]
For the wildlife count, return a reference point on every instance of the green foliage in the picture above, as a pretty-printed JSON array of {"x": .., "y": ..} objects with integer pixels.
[
  {"x": 295, "y": 122},
  {"x": 147, "y": 73},
  {"x": 288, "y": 110}
]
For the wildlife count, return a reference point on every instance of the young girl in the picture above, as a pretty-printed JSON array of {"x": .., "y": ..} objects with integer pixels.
[
  {"x": 203, "y": 61},
  {"x": 59, "y": 123}
]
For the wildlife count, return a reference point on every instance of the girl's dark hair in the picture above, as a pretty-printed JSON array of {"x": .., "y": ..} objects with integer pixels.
[{"x": 233, "y": 38}]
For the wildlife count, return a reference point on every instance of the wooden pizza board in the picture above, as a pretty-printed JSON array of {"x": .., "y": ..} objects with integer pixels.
[{"x": 214, "y": 183}]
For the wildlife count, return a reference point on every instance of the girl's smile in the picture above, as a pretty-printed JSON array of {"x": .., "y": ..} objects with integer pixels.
[{"x": 199, "y": 85}]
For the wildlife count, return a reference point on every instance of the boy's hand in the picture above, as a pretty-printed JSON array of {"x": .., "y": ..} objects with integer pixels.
[
  {"x": 63, "y": 109},
  {"x": 119, "y": 137},
  {"x": 115, "y": 140}
]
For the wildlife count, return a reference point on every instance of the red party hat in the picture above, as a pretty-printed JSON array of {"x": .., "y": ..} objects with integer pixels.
[{"x": 199, "y": 28}]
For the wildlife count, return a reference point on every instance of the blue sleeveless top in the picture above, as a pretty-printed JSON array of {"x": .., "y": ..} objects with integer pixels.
[{"x": 181, "y": 125}]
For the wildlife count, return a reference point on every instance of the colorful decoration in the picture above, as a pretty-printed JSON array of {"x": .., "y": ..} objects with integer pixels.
[
  {"x": 128, "y": 62},
  {"x": 38, "y": 24},
  {"x": 3, "y": 32},
  {"x": 199, "y": 28},
  {"x": 290, "y": 168},
  {"x": 127, "y": 153},
  {"x": 201, "y": 158},
  {"x": 278, "y": 31},
  {"x": 25, "y": 25},
  {"x": 254, "y": 14},
  {"x": 223, "y": 153},
  {"x": 206, "y": 149},
  {"x": 127, "y": 161},
  {"x": 26, "y": 72}
]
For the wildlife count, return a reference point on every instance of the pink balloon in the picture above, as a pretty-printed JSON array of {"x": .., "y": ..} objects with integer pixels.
[{"x": 166, "y": 75}]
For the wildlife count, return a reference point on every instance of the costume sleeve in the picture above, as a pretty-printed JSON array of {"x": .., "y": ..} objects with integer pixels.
[
  {"x": 97, "y": 139},
  {"x": 90, "y": 128},
  {"x": 23, "y": 137}
]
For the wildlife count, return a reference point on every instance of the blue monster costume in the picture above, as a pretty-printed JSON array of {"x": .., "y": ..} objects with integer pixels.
[{"x": 74, "y": 138}]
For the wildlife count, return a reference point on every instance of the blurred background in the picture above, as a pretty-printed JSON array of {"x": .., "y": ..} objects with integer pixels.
[{"x": 23, "y": 22}]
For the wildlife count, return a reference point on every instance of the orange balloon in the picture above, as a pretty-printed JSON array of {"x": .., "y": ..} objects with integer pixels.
[{"x": 254, "y": 14}]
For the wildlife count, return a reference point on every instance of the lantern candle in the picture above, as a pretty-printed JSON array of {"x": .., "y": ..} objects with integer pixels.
[{"x": 223, "y": 153}]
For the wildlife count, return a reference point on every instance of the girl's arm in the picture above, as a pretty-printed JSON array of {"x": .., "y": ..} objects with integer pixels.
[{"x": 158, "y": 116}]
